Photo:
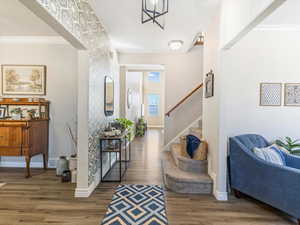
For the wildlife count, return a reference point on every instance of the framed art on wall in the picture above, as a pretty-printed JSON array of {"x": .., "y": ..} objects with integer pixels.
[
  {"x": 209, "y": 85},
  {"x": 2, "y": 112},
  {"x": 23, "y": 79},
  {"x": 270, "y": 94},
  {"x": 292, "y": 94}
]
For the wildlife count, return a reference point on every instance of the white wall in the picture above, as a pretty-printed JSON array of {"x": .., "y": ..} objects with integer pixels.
[
  {"x": 263, "y": 56},
  {"x": 61, "y": 62}
]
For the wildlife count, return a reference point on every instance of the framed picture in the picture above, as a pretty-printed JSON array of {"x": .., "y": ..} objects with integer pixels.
[
  {"x": 2, "y": 112},
  {"x": 209, "y": 84},
  {"x": 23, "y": 79},
  {"x": 292, "y": 94},
  {"x": 270, "y": 94}
]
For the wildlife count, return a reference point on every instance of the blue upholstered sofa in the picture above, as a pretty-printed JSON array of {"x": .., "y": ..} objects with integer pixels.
[{"x": 278, "y": 186}]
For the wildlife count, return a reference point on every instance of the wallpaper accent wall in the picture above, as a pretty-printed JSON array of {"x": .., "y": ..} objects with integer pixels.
[{"x": 79, "y": 19}]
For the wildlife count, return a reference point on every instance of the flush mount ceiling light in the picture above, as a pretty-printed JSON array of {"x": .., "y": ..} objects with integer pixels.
[
  {"x": 154, "y": 10},
  {"x": 176, "y": 44}
]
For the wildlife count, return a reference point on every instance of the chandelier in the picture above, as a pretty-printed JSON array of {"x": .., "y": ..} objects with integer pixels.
[{"x": 154, "y": 10}]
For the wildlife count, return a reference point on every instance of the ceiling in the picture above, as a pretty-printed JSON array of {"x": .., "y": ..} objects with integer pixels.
[
  {"x": 122, "y": 20},
  {"x": 286, "y": 15},
  {"x": 17, "y": 20}
]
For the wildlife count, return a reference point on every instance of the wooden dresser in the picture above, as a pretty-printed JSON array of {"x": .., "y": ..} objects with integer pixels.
[{"x": 25, "y": 137}]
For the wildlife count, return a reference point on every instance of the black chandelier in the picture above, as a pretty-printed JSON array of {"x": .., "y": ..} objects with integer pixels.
[{"x": 153, "y": 10}]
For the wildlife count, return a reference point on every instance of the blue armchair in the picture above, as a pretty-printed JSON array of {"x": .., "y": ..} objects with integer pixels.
[{"x": 278, "y": 186}]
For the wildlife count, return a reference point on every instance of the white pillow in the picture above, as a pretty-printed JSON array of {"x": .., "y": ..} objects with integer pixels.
[{"x": 270, "y": 154}]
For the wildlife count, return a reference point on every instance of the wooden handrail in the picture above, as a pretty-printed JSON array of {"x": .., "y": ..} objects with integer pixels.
[{"x": 184, "y": 99}]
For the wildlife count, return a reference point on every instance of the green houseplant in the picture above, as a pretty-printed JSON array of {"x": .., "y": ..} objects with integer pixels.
[
  {"x": 293, "y": 146},
  {"x": 127, "y": 125}
]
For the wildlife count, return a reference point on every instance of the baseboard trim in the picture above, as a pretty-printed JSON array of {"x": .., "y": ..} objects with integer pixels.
[
  {"x": 22, "y": 164},
  {"x": 219, "y": 195},
  {"x": 86, "y": 192}
]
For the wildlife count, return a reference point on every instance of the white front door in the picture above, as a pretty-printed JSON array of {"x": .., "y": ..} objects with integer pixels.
[{"x": 153, "y": 98}]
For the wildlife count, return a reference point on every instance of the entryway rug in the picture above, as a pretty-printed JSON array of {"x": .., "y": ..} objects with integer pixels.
[{"x": 137, "y": 205}]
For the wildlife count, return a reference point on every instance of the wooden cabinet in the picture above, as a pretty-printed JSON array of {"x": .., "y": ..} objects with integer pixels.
[{"x": 24, "y": 137}]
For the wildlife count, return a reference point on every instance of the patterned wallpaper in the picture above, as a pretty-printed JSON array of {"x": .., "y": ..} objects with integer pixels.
[{"x": 79, "y": 19}]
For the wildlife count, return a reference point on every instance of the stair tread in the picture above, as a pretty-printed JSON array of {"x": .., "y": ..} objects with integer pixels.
[{"x": 176, "y": 173}]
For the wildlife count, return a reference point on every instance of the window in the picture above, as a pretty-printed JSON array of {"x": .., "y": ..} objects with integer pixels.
[
  {"x": 153, "y": 104},
  {"x": 154, "y": 77}
]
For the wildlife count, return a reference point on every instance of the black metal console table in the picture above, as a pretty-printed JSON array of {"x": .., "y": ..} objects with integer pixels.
[{"x": 120, "y": 147}]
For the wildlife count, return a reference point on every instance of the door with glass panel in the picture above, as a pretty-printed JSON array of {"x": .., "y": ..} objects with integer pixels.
[{"x": 153, "y": 98}]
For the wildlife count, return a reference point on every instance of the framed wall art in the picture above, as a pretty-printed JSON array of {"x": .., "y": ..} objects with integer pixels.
[
  {"x": 209, "y": 84},
  {"x": 23, "y": 79},
  {"x": 2, "y": 112},
  {"x": 270, "y": 94},
  {"x": 292, "y": 94}
]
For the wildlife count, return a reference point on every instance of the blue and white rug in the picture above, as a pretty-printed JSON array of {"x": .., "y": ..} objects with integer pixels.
[{"x": 137, "y": 205}]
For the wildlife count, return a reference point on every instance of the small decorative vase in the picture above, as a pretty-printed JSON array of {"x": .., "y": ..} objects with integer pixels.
[
  {"x": 73, "y": 163},
  {"x": 15, "y": 116},
  {"x": 62, "y": 165},
  {"x": 66, "y": 176}
]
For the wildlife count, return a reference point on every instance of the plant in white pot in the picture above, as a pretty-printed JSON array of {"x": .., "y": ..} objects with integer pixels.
[{"x": 16, "y": 113}]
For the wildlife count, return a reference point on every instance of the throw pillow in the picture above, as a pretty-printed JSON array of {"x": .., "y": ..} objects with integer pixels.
[{"x": 270, "y": 154}]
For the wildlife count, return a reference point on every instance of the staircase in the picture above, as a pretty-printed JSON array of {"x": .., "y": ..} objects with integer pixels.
[{"x": 181, "y": 174}]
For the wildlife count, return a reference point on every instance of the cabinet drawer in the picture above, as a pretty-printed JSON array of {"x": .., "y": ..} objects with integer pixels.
[{"x": 10, "y": 136}]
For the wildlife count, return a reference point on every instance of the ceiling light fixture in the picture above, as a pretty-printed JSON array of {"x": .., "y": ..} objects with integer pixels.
[
  {"x": 175, "y": 44},
  {"x": 153, "y": 10}
]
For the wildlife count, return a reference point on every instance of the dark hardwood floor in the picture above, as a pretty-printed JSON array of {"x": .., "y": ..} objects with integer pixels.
[{"x": 43, "y": 200}]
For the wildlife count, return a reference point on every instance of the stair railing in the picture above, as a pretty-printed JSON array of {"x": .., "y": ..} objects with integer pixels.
[{"x": 184, "y": 99}]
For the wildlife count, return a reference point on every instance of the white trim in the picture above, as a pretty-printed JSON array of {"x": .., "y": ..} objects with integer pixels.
[
  {"x": 33, "y": 40},
  {"x": 185, "y": 131},
  {"x": 86, "y": 192},
  {"x": 159, "y": 126},
  {"x": 22, "y": 164},
  {"x": 219, "y": 195},
  {"x": 282, "y": 27},
  {"x": 263, "y": 15}
]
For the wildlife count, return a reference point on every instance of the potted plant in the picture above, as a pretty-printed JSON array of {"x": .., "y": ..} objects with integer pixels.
[
  {"x": 31, "y": 113},
  {"x": 16, "y": 113},
  {"x": 141, "y": 127},
  {"x": 293, "y": 146},
  {"x": 127, "y": 125}
]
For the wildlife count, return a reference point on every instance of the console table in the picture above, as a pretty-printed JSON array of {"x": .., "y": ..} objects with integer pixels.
[{"x": 118, "y": 149}]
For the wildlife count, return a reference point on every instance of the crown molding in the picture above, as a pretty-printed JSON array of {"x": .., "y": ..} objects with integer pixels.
[
  {"x": 33, "y": 40},
  {"x": 281, "y": 27}
]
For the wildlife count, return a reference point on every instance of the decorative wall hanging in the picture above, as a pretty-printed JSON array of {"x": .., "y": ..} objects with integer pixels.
[
  {"x": 154, "y": 10},
  {"x": 23, "y": 79},
  {"x": 270, "y": 94},
  {"x": 209, "y": 84},
  {"x": 129, "y": 98},
  {"x": 292, "y": 94}
]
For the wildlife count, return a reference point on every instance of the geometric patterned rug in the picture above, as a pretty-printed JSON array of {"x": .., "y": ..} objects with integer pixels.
[{"x": 137, "y": 205}]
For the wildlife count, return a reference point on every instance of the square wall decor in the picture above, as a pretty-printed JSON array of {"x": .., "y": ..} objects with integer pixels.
[
  {"x": 292, "y": 94},
  {"x": 270, "y": 94}
]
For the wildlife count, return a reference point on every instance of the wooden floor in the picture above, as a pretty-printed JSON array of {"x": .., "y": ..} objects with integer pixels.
[{"x": 42, "y": 199}]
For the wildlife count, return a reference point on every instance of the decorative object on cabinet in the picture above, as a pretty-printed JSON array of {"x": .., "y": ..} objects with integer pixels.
[
  {"x": 108, "y": 96},
  {"x": 292, "y": 94},
  {"x": 2, "y": 112},
  {"x": 23, "y": 79},
  {"x": 270, "y": 94},
  {"x": 25, "y": 137},
  {"x": 209, "y": 84},
  {"x": 62, "y": 165},
  {"x": 16, "y": 113}
]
